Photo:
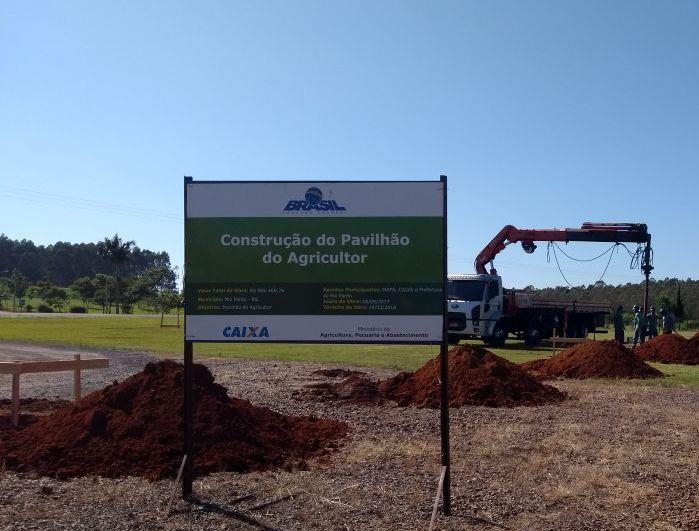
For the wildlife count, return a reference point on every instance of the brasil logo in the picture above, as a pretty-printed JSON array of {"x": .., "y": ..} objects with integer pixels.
[{"x": 313, "y": 200}]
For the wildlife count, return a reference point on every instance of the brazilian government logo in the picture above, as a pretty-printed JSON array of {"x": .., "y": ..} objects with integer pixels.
[{"x": 313, "y": 200}]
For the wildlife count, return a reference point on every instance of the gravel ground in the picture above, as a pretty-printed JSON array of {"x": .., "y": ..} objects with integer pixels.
[{"x": 615, "y": 456}]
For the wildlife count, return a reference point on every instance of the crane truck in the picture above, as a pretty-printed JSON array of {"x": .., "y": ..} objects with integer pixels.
[{"x": 479, "y": 306}]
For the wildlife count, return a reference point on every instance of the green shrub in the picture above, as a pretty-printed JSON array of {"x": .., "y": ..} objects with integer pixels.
[
  {"x": 28, "y": 308},
  {"x": 78, "y": 309},
  {"x": 43, "y": 308}
]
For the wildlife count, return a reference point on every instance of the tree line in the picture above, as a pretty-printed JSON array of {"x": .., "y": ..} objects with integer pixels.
[
  {"x": 680, "y": 296},
  {"x": 118, "y": 275},
  {"x": 62, "y": 263}
]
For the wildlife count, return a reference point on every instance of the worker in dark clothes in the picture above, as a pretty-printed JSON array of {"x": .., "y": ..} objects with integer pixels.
[
  {"x": 668, "y": 321},
  {"x": 618, "y": 320},
  {"x": 652, "y": 323}
]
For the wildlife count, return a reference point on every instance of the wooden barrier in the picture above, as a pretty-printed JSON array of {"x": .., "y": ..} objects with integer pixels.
[
  {"x": 15, "y": 368},
  {"x": 566, "y": 341}
]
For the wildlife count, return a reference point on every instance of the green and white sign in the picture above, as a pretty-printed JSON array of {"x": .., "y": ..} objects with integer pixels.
[{"x": 314, "y": 261}]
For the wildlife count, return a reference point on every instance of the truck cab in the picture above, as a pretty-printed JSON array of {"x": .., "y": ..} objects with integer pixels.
[{"x": 476, "y": 308}]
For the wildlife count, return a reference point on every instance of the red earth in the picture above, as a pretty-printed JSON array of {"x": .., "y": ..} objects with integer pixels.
[
  {"x": 669, "y": 348},
  {"x": 476, "y": 377},
  {"x": 592, "y": 359},
  {"x": 134, "y": 428}
]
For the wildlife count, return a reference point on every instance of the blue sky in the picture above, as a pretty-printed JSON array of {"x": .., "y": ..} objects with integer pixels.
[{"x": 543, "y": 114}]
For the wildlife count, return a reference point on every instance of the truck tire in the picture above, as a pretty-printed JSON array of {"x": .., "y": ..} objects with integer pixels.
[
  {"x": 578, "y": 330},
  {"x": 582, "y": 330},
  {"x": 453, "y": 339},
  {"x": 532, "y": 337},
  {"x": 499, "y": 335}
]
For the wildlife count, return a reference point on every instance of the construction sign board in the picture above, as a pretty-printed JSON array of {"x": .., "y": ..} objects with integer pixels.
[{"x": 336, "y": 262}]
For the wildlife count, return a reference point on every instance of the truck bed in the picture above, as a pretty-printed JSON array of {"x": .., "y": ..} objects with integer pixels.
[{"x": 525, "y": 299}]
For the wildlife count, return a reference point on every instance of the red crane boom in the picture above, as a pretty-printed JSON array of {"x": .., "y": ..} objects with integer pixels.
[{"x": 589, "y": 232}]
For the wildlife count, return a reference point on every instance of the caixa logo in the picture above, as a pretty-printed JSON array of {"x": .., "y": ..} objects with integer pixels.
[
  {"x": 246, "y": 331},
  {"x": 313, "y": 201}
]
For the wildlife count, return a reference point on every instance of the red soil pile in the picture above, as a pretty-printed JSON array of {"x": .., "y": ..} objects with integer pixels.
[
  {"x": 32, "y": 405},
  {"x": 694, "y": 340},
  {"x": 592, "y": 359},
  {"x": 338, "y": 373},
  {"x": 358, "y": 389},
  {"x": 669, "y": 348},
  {"x": 476, "y": 377},
  {"x": 134, "y": 428}
]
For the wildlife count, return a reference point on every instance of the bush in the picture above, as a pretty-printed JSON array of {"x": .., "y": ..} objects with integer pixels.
[
  {"x": 43, "y": 308},
  {"x": 78, "y": 309},
  {"x": 28, "y": 308}
]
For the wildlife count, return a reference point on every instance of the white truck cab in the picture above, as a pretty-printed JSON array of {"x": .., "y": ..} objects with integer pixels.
[{"x": 476, "y": 308}]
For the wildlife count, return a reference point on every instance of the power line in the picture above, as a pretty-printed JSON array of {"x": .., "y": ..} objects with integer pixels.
[{"x": 87, "y": 204}]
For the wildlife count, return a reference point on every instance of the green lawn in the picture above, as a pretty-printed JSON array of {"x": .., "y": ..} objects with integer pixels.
[
  {"x": 144, "y": 334},
  {"x": 6, "y": 305}
]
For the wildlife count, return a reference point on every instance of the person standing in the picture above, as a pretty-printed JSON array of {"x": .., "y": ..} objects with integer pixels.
[
  {"x": 618, "y": 320},
  {"x": 639, "y": 325},
  {"x": 669, "y": 322},
  {"x": 652, "y": 323}
]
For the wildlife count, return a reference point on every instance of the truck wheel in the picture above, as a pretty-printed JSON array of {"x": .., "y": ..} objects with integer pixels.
[
  {"x": 533, "y": 336},
  {"x": 582, "y": 331},
  {"x": 453, "y": 339},
  {"x": 499, "y": 335}
]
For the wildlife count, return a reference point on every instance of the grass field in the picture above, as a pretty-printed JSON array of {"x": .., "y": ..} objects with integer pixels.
[
  {"x": 6, "y": 305},
  {"x": 145, "y": 335}
]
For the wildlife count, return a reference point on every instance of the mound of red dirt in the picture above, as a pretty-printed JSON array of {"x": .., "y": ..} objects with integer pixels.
[
  {"x": 669, "y": 348},
  {"x": 33, "y": 405},
  {"x": 476, "y": 377},
  {"x": 694, "y": 340},
  {"x": 134, "y": 428},
  {"x": 358, "y": 389},
  {"x": 338, "y": 373},
  {"x": 592, "y": 359}
]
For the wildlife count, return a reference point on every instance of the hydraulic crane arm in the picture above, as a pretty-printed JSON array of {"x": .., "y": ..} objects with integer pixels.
[{"x": 589, "y": 232}]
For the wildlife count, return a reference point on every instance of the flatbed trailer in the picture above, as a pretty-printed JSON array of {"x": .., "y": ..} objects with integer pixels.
[{"x": 534, "y": 319}]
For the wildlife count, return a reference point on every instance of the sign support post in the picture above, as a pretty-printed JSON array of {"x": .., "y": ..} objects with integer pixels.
[
  {"x": 188, "y": 413},
  {"x": 444, "y": 380},
  {"x": 188, "y": 383}
]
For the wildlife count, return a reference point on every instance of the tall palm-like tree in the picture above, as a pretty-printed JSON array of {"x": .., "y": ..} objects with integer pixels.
[{"x": 116, "y": 251}]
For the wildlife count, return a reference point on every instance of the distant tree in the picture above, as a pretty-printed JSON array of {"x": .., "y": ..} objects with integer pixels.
[
  {"x": 149, "y": 286},
  {"x": 18, "y": 284},
  {"x": 85, "y": 288},
  {"x": 104, "y": 287},
  {"x": 34, "y": 292},
  {"x": 42, "y": 288},
  {"x": 5, "y": 290},
  {"x": 55, "y": 297},
  {"x": 118, "y": 252},
  {"x": 663, "y": 301},
  {"x": 161, "y": 278}
]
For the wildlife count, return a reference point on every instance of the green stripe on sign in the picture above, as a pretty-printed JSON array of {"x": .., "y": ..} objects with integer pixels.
[
  {"x": 315, "y": 299},
  {"x": 314, "y": 250}
]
